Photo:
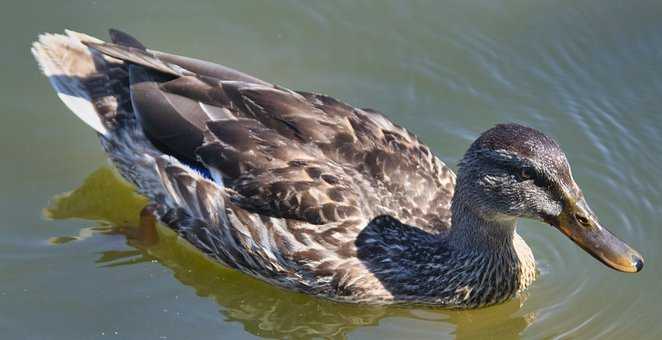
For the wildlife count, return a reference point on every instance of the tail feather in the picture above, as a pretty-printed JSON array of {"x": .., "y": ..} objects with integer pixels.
[
  {"x": 121, "y": 38},
  {"x": 137, "y": 56},
  {"x": 68, "y": 64}
]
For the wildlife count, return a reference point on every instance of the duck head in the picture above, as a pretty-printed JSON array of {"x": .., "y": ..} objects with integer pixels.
[{"x": 514, "y": 171}]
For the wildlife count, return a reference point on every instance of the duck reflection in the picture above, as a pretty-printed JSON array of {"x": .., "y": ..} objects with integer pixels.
[{"x": 263, "y": 310}]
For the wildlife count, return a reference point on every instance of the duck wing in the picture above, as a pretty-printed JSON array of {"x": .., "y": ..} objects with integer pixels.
[
  {"x": 198, "y": 120},
  {"x": 294, "y": 155}
]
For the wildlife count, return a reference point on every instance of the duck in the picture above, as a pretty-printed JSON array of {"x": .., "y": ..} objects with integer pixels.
[{"x": 311, "y": 194}]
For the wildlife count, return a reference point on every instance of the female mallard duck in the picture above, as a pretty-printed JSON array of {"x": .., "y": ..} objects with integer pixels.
[{"x": 311, "y": 194}]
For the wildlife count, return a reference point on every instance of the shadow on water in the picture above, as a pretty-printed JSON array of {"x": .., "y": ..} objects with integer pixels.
[{"x": 262, "y": 309}]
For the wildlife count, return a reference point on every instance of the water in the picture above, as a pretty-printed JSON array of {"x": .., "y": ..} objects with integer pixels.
[{"x": 585, "y": 72}]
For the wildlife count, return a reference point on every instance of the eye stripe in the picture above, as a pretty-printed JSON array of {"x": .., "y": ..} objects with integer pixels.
[{"x": 528, "y": 173}]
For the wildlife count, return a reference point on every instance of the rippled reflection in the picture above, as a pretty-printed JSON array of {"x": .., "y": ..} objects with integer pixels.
[{"x": 262, "y": 309}]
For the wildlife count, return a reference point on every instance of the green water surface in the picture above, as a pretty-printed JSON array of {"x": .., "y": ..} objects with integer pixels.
[{"x": 588, "y": 73}]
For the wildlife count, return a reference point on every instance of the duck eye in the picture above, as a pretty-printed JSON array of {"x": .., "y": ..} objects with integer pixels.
[
  {"x": 526, "y": 173},
  {"x": 581, "y": 219}
]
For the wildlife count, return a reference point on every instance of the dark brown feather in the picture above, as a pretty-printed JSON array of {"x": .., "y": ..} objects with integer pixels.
[{"x": 120, "y": 38}]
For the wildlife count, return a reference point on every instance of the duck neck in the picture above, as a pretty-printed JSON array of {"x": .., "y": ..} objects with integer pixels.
[
  {"x": 479, "y": 262},
  {"x": 506, "y": 262},
  {"x": 481, "y": 232}
]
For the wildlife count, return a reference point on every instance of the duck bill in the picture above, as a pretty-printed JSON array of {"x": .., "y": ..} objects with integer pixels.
[{"x": 579, "y": 223}]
